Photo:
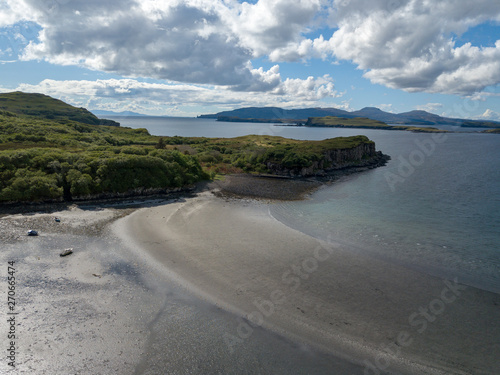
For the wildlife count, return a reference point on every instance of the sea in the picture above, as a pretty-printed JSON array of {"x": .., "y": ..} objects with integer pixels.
[{"x": 434, "y": 208}]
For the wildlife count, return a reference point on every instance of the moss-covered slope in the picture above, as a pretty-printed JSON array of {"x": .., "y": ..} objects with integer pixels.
[{"x": 43, "y": 106}]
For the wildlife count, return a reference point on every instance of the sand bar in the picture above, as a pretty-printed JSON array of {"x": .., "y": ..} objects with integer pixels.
[{"x": 234, "y": 254}]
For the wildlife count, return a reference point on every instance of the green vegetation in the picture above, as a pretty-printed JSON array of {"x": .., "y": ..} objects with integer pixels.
[
  {"x": 253, "y": 153},
  {"x": 363, "y": 123},
  {"x": 43, "y": 106},
  {"x": 61, "y": 159},
  {"x": 44, "y": 159}
]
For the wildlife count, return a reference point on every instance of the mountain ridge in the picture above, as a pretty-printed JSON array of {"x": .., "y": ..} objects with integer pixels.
[{"x": 415, "y": 117}]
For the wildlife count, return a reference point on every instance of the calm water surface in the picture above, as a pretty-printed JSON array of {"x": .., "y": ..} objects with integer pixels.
[{"x": 435, "y": 207}]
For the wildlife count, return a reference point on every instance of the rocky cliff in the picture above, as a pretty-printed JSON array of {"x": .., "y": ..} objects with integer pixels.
[{"x": 335, "y": 161}]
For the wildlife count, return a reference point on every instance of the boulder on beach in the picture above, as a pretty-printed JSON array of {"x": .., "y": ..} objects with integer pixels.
[{"x": 66, "y": 252}]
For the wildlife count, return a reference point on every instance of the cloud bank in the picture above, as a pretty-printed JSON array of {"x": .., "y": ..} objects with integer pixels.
[
  {"x": 155, "y": 98},
  {"x": 402, "y": 44}
]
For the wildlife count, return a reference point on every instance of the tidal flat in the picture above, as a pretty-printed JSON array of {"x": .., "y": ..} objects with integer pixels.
[{"x": 211, "y": 284}]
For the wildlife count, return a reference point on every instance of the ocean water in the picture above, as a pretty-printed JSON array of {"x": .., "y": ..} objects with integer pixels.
[{"x": 435, "y": 207}]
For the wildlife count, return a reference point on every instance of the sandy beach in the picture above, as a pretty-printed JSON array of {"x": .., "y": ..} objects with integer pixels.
[
  {"x": 379, "y": 316},
  {"x": 215, "y": 285},
  {"x": 105, "y": 310}
]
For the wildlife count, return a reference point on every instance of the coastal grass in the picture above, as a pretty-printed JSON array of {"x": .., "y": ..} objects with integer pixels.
[
  {"x": 43, "y": 106},
  {"x": 61, "y": 159}
]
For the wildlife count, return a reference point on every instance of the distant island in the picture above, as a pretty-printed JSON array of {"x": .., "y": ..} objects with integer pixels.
[
  {"x": 51, "y": 151},
  {"x": 275, "y": 114},
  {"x": 364, "y": 123}
]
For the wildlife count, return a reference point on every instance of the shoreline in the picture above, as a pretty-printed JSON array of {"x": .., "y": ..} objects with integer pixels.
[
  {"x": 234, "y": 254},
  {"x": 291, "y": 187},
  {"x": 103, "y": 309},
  {"x": 226, "y": 257},
  {"x": 132, "y": 198}
]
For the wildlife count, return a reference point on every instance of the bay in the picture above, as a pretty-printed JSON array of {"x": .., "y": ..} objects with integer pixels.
[{"x": 435, "y": 207}]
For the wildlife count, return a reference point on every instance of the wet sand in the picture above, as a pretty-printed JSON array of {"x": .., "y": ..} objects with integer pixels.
[
  {"x": 379, "y": 316},
  {"x": 105, "y": 310},
  {"x": 211, "y": 285},
  {"x": 73, "y": 313}
]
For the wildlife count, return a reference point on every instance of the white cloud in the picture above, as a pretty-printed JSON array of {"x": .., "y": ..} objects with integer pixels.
[
  {"x": 430, "y": 107},
  {"x": 311, "y": 89},
  {"x": 483, "y": 96},
  {"x": 271, "y": 25},
  {"x": 165, "y": 40},
  {"x": 386, "y": 108},
  {"x": 407, "y": 44},
  {"x": 490, "y": 115},
  {"x": 402, "y": 44},
  {"x": 196, "y": 41},
  {"x": 160, "y": 98},
  {"x": 12, "y": 12}
]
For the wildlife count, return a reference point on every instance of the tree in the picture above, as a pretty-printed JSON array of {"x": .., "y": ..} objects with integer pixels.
[{"x": 161, "y": 144}]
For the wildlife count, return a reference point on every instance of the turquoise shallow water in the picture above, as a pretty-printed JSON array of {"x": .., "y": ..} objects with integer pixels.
[
  {"x": 443, "y": 218},
  {"x": 435, "y": 207}
]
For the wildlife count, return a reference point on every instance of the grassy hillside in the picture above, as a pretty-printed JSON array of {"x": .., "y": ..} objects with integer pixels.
[
  {"x": 43, "y": 106},
  {"x": 50, "y": 150},
  {"x": 43, "y": 159},
  {"x": 252, "y": 153}
]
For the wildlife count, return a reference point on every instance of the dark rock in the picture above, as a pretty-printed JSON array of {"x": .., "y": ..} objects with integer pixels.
[{"x": 362, "y": 156}]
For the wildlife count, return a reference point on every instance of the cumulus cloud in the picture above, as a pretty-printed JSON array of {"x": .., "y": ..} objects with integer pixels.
[
  {"x": 172, "y": 40},
  {"x": 490, "y": 115},
  {"x": 408, "y": 44},
  {"x": 194, "y": 41},
  {"x": 311, "y": 88},
  {"x": 271, "y": 25},
  {"x": 430, "y": 107},
  {"x": 12, "y": 12},
  {"x": 155, "y": 98},
  {"x": 402, "y": 44},
  {"x": 386, "y": 107}
]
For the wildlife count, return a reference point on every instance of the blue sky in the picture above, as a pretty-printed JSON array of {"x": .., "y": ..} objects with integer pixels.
[{"x": 192, "y": 57}]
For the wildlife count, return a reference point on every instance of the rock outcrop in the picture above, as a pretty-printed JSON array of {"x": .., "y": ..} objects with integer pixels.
[{"x": 363, "y": 156}]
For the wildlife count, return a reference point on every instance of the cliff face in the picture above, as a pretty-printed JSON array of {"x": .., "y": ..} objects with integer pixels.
[{"x": 362, "y": 156}]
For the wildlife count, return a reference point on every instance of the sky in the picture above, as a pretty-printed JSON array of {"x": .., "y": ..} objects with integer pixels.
[{"x": 192, "y": 57}]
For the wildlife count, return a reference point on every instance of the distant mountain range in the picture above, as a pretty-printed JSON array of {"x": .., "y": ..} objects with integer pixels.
[
  {"x": 99, "y": 112},
  {"x": 406, "y": 118}
]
